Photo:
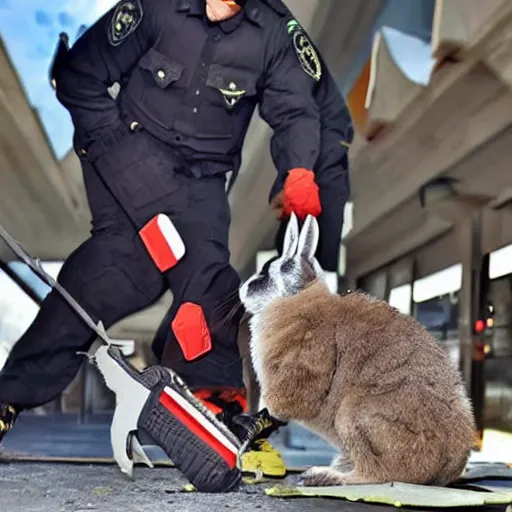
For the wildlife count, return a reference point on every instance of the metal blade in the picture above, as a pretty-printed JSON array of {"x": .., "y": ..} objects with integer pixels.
[
  {"x": 138, "y": 453},
  {"x": 131, "y": 396}
]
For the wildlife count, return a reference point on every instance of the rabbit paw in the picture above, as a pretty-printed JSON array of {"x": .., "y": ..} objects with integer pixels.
[
  {"x": 323, "y": 476},
  {"x": 342, "y": 464}
]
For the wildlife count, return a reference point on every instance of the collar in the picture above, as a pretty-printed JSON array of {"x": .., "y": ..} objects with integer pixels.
[
  {"x": 251, "y": 11},
  {"x": 191, "y": 7},
  {"x": 233, "y": 23},
  {"x": 277, "y": 5}
]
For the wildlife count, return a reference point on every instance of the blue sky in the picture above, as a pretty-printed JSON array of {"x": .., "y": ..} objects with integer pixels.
[{"x": 29, "y": 29}]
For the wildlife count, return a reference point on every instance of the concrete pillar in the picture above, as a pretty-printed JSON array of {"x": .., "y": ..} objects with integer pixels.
[{"x": 472, "y": 297}]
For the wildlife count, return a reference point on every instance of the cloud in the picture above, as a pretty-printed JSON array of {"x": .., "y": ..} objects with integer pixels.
[
  {"x": 30, "y": 29},
  {"x": 43, "y": 18},
  {"x": 65, "y": 19}
]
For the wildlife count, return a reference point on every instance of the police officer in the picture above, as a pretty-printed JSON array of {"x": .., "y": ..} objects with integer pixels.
[
  {"x": 331, "y": 173},
  {"x": 331, "y": 176},
  {"x": 154, "y": 161}
]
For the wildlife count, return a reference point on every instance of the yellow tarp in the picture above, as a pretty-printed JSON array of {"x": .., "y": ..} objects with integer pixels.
[{"x": 398, "y": 495}]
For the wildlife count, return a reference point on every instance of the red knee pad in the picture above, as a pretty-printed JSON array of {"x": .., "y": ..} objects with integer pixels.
[
  {"x": 191, "y": 331},
  {"x": 163, "y": 242}
]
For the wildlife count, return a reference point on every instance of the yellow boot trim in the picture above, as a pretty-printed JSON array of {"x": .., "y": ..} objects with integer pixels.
[{"x": 265, "y": 459}]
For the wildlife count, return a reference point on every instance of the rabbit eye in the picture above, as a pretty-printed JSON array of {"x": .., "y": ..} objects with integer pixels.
[
  {"x": 287, "y": 267},
  {"x": 258, "y": 284}
]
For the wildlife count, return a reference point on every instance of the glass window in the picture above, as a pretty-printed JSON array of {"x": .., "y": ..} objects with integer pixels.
[
  {"x": 440, "y": 316},
  {"x": 17, "y": 308},
  {"x": 500, "y": 295},
  {"x": 498, "y": 385},
  {"x": 436, "y": 307},
  {"x": 445, "y": 281},
  {"x": 500, "y": 262},
  {"x": 400, "y": 298}
]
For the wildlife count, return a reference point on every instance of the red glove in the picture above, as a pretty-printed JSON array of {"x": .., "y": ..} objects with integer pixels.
[{"x": 301, "y": 194}]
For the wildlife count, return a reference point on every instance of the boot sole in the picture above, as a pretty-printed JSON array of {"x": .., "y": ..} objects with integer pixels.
[{"x": 198, "y": 444}]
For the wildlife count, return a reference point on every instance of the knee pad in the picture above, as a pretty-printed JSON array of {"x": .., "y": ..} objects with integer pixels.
[
  {"x": 191, "y": 331},
  {"x": 163, "y": 242}
]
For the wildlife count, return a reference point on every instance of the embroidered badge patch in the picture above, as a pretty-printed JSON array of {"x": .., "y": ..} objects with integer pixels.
[
  {"x": 307, "y": 55},
  {"x": 232, "y": 95},
  {"x": 126, "y": 18}
]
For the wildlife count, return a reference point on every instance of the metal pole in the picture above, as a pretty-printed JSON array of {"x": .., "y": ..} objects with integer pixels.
[
  {"x": 478, "y": 380},
  {"x": 470, "y": 251}
]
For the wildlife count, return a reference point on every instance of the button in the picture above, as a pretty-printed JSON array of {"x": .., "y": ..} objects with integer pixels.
[
  {"x": 134, "y": 126},
  {"x": 83, "y": 152},
  {"x": 198, "y": 92},
  {"x": 161, "y": 74},
  {"x": 216, "y": 38},
  {"x": 195, "y": 110},
  {"x": 232, "y": 86}
]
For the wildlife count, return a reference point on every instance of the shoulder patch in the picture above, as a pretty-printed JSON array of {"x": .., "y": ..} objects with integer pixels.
[
  {"x": 306, "y": 53},
  {"x": 292, "y": 25},
  {"x": 277, "y": 6},
  {"x": 125, "y": 20}
]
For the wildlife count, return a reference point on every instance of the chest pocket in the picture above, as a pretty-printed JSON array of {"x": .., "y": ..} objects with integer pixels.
[
  {"x": 230, "y": 85},
  {"x": 164, "y": 71}
]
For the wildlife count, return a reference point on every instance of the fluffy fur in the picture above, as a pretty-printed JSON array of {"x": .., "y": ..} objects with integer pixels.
[{"x": 372, "y": 382}]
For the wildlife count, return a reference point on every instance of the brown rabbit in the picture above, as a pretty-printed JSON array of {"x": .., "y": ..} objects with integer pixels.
[{"x": 369, "y": 380}]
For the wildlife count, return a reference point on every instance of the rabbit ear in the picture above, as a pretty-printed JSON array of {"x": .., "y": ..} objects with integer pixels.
[
  {"x": 319, "y": 271},
  {"x": 291, "y": 237},
  {"x": 308, "y": 239}
]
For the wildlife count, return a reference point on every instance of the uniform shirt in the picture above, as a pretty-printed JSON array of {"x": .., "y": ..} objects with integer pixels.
[
  {"x": 332, "y": 165},
  {"x": 193, "y": 83},
  {"x": 336, "y": 128},
  {"x": 332, "y": 170}
]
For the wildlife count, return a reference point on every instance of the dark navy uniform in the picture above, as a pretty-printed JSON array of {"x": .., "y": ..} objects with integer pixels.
[
  {"x": 331, "y": 169},
  {"x": 331, "y": 173},
  {"x": 163, "y": 145}
]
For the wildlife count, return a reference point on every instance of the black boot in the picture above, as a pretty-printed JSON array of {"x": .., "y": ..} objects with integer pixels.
[
  {"x": 259, "y": 456},
  {"x": 8, "y": 416}
]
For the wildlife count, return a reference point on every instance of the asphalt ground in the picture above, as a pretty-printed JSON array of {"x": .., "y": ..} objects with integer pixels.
[
  {"x": 35, "y": 487},
  {"x": 97, "y": 485}
]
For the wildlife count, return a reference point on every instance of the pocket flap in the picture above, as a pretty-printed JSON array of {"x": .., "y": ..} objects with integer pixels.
[
  {"x": 163, "y": 69},
  {"x": 230, "y": 80}
]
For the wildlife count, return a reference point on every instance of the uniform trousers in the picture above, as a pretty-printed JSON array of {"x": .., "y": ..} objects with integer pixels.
[{"x": 112, "y": 274}]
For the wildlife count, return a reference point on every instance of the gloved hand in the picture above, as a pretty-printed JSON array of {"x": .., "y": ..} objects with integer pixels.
[
  {"x": 278, "y": 206},
  {"x": 301, "y": 194}
]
